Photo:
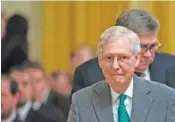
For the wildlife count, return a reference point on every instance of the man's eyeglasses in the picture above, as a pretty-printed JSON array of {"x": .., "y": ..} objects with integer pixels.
[
  {"x": 121, "y": 59},
  {"x": 151, "y": 48}
]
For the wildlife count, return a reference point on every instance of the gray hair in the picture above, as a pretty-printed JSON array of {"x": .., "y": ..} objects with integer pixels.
[
  {"x": 120, "y": 32},
  {"x": 138, "y": 21}
]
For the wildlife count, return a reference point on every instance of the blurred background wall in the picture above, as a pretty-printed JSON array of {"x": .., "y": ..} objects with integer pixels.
[{"x": 57, "y": 28}]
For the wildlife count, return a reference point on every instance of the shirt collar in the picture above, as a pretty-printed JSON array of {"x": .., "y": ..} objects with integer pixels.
[
  {"x": 145, "y": 72},
  {"x": 128, "y": 92},
  {"x": 45, "y": 95},
  {"x": 23, "y": 111}
]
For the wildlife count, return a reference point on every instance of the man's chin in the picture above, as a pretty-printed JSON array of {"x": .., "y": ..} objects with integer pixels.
[
  {"x": 119, "y": 79},
  {"x": 144, "y": 64},
  {"x": 142, "y": 67}
]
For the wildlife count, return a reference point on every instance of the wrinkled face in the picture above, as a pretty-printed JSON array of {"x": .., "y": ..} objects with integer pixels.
[
  {"x": 149, "y": 45},
  {"x": 38, "y": 83},
  {"x": 63, "y": 85},
  {"x": 7, "y": 102},
  {"x": 24, "y": 85},
  {"x": 117, "y": 61}
]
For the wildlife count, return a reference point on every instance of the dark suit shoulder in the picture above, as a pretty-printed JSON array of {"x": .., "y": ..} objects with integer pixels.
[
  {"x": 171, "y": 77},
  {"x": 88, "y": 64},
  {"x": 165, "y": 58},
  {"x": 84, "y": 73},
  {"x": 87, "y": 74},
  {"x": 49, "y": 113},
  {"x": 167, "y": 55}
]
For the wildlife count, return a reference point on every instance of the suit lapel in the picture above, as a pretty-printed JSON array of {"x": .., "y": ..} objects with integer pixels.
[
  {"x": 102, "y": 102},
  {"x": 141, "y": 100},
  {"x": 30, "y": 115}
]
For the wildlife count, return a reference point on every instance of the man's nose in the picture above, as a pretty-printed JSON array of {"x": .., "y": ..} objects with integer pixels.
[
  {"x": 115, "y": 64},
  {"x": 148, "y": 53}
]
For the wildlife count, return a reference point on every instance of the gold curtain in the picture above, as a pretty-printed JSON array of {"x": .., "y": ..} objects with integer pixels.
[
  {"x": 164, "y": 11},
  {"x": 67, "y": 25}
]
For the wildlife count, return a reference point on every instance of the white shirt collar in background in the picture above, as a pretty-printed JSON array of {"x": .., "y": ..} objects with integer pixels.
[{"x": 23, "y": 111}]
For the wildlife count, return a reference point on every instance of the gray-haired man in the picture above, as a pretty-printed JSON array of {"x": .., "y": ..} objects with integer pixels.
[{"x": 122, "y": 96}]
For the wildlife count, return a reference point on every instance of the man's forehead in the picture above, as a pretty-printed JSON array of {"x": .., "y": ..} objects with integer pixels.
[
  {"x": 17, "y": 73},
  {"x": 35, "y": 70},
  {"x": 18, "y": 76},
  {"x": 121, "y": 44},
  {"x": 148, "y": 38},
  {"x": 36, "y": 74},
  {"x": 122, "y": 41}
]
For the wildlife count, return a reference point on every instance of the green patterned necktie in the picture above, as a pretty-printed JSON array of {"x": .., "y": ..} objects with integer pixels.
[{"x": 122, "y": 112}]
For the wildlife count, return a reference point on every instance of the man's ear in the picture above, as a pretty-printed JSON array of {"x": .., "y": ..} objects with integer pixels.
[
  {"x": 100, "y": 61},
  {"x": 137, "y": 60}
]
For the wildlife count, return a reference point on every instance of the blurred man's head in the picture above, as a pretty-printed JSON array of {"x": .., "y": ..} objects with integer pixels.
[
  {"x": 17, "y": 25},
  {"x": 37, "y": 76},
  {"x": 146, "y": 26},
  {"x": 81, "y": 55},
  {"x": 24, "y": 84},
  {"x": 62, "y": 83},
  {"x": 9, "y": 96}
]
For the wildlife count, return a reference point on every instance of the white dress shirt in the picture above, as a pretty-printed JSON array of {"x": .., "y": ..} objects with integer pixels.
[
  {"x": 146, "y": 75},
  {"x": 24, "y": 110},
  {"x": 45, "y": 95},
  {"x": 36, "y": 105},
  {"x": 128, "y": 101},
  {"x": 43, "y": 100}
]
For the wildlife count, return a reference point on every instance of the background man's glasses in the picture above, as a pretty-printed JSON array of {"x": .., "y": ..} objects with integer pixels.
[{"x": 151, "y": 48}]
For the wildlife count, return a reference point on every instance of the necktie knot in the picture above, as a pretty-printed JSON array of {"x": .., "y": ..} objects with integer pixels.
[{"x": 122, "y": 98}]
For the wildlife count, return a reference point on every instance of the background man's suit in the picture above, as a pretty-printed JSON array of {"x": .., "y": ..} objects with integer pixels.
[
  {"x": 90, "y": 72},
  {"x": 171, "y": 77},
  {"x": 59, "y": 102},
  {"x": 152, "y": 102},
  {"x": 46, "y": 113}
]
